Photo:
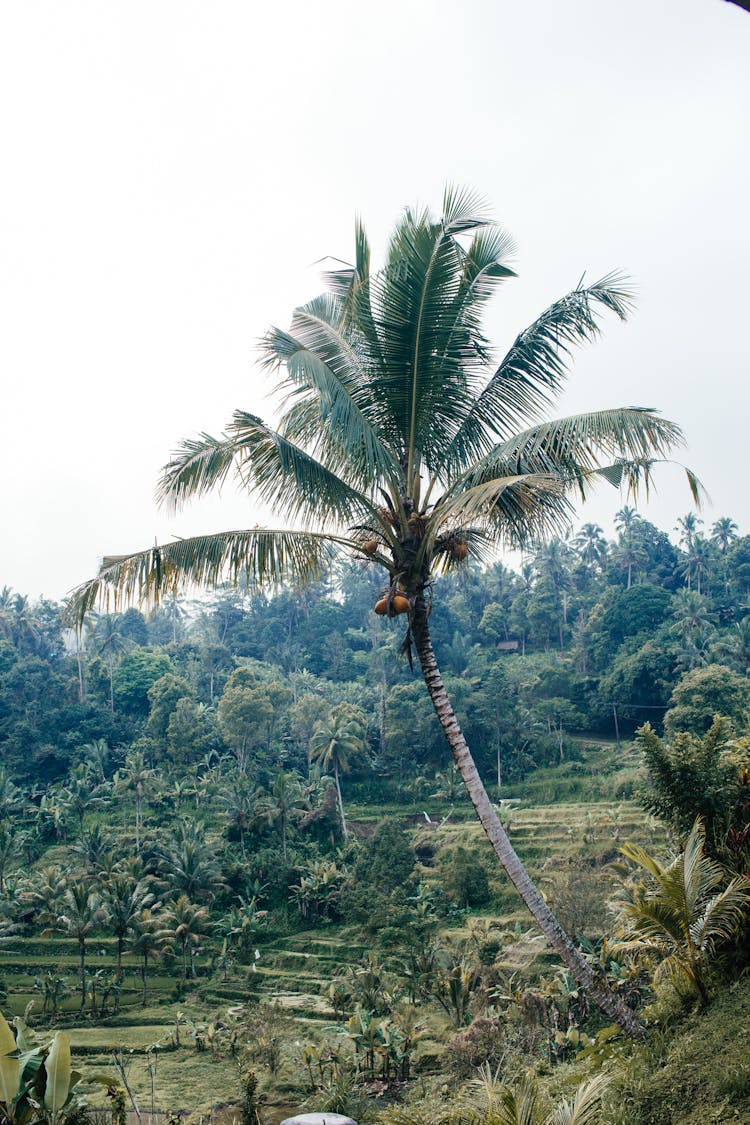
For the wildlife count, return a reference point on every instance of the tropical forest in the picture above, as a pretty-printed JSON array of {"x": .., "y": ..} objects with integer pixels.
[{"x": 425, "y": 802}]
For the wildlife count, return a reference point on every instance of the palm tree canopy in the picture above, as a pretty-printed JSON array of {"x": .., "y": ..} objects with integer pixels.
[
  {"x": 401, "y": 437},
  {"x": 679, "y": 911}
]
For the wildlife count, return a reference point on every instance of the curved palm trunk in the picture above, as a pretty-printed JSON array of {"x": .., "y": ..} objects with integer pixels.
[{"x": 517, "y": 873}]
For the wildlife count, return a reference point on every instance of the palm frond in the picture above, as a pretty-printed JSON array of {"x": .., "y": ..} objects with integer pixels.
[
  {"x": 635, "y": 476},
  {"x": 533, "y": 371},
  {"x": 198, "y": 466},
  {"x": 509, "y": 505},
  {"x": 463, "y": 210},
  {"x": 285, "y": 476},
  {"x": 722, "y": 915},
  {"x": 346, "y": 283},
  {"x": 259, "y": 557},
  {"x": 329, "y": 404},
  {"x": 586, "y": 1107},
  {"x": 428, "y": 344},
  {"x": 578, "y": 447}
]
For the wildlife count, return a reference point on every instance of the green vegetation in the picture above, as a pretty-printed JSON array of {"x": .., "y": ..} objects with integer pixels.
[
  {"x": 237, "y": 860},
  {"x": 392, "y": 395}
]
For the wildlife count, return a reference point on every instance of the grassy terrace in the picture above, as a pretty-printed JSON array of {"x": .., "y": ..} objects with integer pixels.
[{"x": 295, "y": 969}]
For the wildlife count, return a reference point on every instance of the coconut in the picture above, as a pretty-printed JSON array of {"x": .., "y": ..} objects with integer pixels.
[
  {"x": 460, "y": 551},
  {"x": 370, "y": 546},
  {"x": 398, "y": 604}
]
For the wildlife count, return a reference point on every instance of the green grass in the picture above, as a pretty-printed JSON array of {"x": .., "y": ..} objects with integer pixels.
[{"x": 696, "y": 1073}]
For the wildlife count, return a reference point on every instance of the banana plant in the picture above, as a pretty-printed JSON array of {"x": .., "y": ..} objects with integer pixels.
[{"x": 38, "y": 1085}]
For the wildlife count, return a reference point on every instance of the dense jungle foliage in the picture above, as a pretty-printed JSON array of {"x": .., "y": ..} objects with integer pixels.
[{"x": 245, "y": 800}]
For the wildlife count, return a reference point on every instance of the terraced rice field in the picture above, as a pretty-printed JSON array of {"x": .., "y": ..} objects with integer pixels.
[{"x": 293, "y": 973}]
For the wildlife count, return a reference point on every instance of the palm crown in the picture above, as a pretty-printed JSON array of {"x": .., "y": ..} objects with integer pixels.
[{"x": 399, "y": 436}]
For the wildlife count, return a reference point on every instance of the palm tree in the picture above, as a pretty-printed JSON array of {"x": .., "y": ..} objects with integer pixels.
[
  {"x": 139, "y": 778},
  {"x": 146, "y": 943},
  {"x": 625, "y": 518},
  {"x": 125, "y": 901},
  {"x": 96, "y": 756},
  {"x": 183, "y": 925},
  {"x": 334, "y": 743},
  {"x": 282, "y": 803},
  {"x": 688, "y": 528},
  {"x": 591, "y": 544},
  {"x": 697, "y": 562},
  {"x": 627, "y": 553},
  {"x": 239, "y": 801},
  {"x": 677, "y": 914},
  {"x": 188, "y": 864},
  {"x": 402, "y": 442},
  {"x": 96, "y": 848},
  {"x": 80, "y": 914},
  {"x": 691, "y": 614},
  {"x": 723, "y": 532},
  {"x": 110, "y": 642}
]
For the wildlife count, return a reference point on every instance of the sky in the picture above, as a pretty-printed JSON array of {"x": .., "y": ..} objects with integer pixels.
[{"x": 171, "y": 173}]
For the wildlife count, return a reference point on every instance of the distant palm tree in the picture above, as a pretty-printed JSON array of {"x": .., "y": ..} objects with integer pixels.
[
  {"x": 283, "y": 802},
  {"x": 183, "y": 925},
  {"x": 96, "y": 848},
  {"x": 691, "y": 613},
  {"x": 737, "y": 645},
  {"x": 146, "y": 943},
  {"x": 125, "y": 901},
  {"x": 697, "y": 564},
  {"x": 188, "y": 864},
  {"x": 628, "y": 554},
  {"x": 82, "y": 795},
  {"x": 239, "y": 801},
  {"x": 591, "y": 544},
  {"x": 688, "y": 528},
  {"x": 334, "y": 743},
  {"x": 80, "y": 913},
  {"x": 109, "y": 641},
  {"x": 723, "y": 532},
  {"x": 96, "y": 755},
  {"x": 140, "y": 779}
]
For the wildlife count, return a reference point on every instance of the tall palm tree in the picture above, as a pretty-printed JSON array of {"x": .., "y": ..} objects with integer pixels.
[
  {"x": 687, "y": 526},
  {"x": 335, "y": 741},
  {"x": 402, "y": 441},
  {"x": 109, "y": 643},
  {"x": 239, "y": 801}
]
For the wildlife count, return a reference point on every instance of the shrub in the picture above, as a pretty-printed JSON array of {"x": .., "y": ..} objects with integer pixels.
[
  {"x": 483, "y": 1042},
  {"x": 464, "y": 879}
]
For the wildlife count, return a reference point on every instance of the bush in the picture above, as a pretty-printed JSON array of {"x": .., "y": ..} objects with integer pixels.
[
  {"x": 464, "y": 879},
  {"x": 483, "y": 1042}
]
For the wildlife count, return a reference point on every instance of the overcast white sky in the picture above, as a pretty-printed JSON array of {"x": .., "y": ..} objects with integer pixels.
[{"x": 170, "y": 170}]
